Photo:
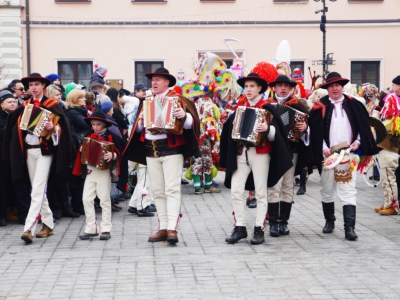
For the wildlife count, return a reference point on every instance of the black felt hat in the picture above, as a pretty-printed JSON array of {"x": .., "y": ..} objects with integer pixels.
[
  {"x": 255, "y": 77},
  {"x": 163, "y": 72},
  {"x": 98, "y": 115},
  {"x": 283, "y": 79},
  {"x": 396, "y": 80},
  {"x": 35, "y": 77},
  {"x": 334, "y": 77}
]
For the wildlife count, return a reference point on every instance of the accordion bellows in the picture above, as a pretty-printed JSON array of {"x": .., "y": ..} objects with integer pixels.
[
  {"x": 245, "y": 124},
  {"x": 34, "y": 119},
  {"x": 159, "y": 115},
  {"x": 290, "y": 117},
  {"x": 93, "y": 153}
]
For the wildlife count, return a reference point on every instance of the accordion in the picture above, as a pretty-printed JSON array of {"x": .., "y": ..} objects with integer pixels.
[
  {"x": 290, "y": 117},
  {"x": 34, "y": 118},
  {"x": 159, "y": 115},
  {"x": 93, "y": 153},
  {"x": 246, "y": 121}
]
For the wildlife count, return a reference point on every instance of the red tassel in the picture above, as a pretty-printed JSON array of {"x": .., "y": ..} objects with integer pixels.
[
  {"x": 39, "y": 217},
  {"x": 180, "y": 215}
]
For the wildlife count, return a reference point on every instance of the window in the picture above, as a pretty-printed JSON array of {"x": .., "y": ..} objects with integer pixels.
[
  {"x": 365, "y": 0},
  {"x": 217, "y": 0},
  {"x": 365, "y": 71},
  {"x": 143, "y": 67},
  {"x": 75, "y": 71}
]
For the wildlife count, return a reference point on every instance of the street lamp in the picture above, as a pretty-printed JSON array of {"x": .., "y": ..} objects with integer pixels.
[{"x": 323, "y": 29}]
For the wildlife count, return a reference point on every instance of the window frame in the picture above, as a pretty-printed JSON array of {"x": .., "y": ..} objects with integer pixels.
[
  {"x": 73, "y": 1},
  {"x": 149, "y": 1},
  {"x": 76, "y": 61},
  {"x": 290, "y": 1},
  {"x": 307, "y": 79},
  {"x": 369, "y": 60},
  {"x": 134, "y": 61}
]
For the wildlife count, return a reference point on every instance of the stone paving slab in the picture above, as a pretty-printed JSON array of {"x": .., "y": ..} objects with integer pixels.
[{"x": 304, "y": 265}]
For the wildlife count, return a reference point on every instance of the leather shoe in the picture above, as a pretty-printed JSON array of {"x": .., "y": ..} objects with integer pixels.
[
  {"x": 328, "y": 228},
  {"x": 3, "y": 222},
  {"x": 46, "y": 231},
  {"x": 283, "y": 230},
  {"x": 87, "y": 236},
  {"x": 151, "y": 208},
  {"x": 258, "y": 236},
  {"x": 27, "y": 237},
  {"x": 274, "y": 230},
  {"x": 105, "y": 236},
  {"x": 160, "y": 236},
  {"x": 132, "y": 210},
  {"x": 184, "y": 181},
  {"x": 172, "y": 237},
  {"x": 144, "y": 213},
  {"x": 301, "y": 190},
  {"x": 238, "y": 233},
  {"x": 253, "y": 203},
  {"x": 248, "y": 201}
]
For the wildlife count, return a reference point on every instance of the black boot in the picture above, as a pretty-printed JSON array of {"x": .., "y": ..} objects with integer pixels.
[
  {"x": 349, "y": 216},
  {"x": 273, "y": 212},
  {"x": 285, "y": 209},
  {"x": 238, "y": 233},
  {"x": 329, "y": 214},
  {"x": 253, "y": 203},
  {"x": 258, "y": 236},
  {"x": 67, "y": 211},
  {"x": 302, "y": 188}
]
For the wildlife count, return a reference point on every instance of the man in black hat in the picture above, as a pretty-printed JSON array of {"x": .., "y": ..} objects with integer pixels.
[
  {"x": 280, "y": 196},
  {"x": 335, "y": 119},
  {"x": 32, "y": 157},
  {"x": 164, "y": 154},
  {"x": 247, "y": 166}
]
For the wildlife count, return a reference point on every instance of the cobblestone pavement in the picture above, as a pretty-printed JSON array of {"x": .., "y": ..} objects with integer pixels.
[{"x": 304, "y": 265}]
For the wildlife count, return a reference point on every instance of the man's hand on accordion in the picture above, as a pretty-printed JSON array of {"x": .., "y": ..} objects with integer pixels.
[
  {"x": 262, "y": 127},
  {"x": 301, "y": 126},
  {"x": 108, "y": 156},
  {"x": 179, "y": 112},
  {"x": 49, "y": 125}
]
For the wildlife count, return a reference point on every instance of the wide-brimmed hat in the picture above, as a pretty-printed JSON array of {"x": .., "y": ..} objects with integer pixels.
[
  {"x": 35, "y": 77},
  {"x": 283, "y": 79},
  {"x": 334, "y": 77},
  {"x": 255, "y": 77},
  {"x": 98, "y": 115},
  {"x": 163, "y": 72}
]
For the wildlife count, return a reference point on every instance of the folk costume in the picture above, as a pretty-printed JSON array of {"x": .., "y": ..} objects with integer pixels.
[
  {"x": 98, "y": 182},
  {"x": 247, "y": 166},
  {"x": 37, "y": 158},
  {"x": 333, "y": 122},
  {"x": 208, "y": 114},
  {"x": 164, "y": 155},
  {"x": 280, "y": 196},
  {"x": 388, "y": 157}
]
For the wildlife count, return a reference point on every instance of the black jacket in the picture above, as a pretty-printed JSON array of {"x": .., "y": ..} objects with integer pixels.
[
  {"x": 3, "y": 122},
  {"x": 77, "y": 116},
  {"x": 320, "y": 122},
  {"x": 281, "y": 158}
]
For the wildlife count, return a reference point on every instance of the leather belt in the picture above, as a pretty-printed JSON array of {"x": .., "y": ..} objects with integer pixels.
[
  {"x": 27, "y": 146},
  {"x": 159, "y": 148}
]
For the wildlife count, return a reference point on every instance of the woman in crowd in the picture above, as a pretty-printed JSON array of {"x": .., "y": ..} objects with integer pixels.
[{"x": 76, "y": 113}]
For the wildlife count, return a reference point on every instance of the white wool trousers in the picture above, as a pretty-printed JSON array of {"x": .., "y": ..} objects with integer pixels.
[
  {"x": 259, "y": 164},
  {"x": 165, "y": 176},
  {"x": 97, "y": 182},
  {"x": 38, "y": 169},
  {"x": 284, "y": 189},
  {"x": 346, "y": 192},
  {"x": 138, "y": 200},
  {"x": 388, "y": 163}
]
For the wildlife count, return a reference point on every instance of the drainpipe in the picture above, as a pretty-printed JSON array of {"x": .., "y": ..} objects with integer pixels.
[{"x": 28, "y": 38}]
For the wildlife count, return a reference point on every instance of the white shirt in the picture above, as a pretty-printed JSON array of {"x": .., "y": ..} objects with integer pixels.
[
  {"x": 340, "y": 130},
  {"x": 152, "y": 137}
]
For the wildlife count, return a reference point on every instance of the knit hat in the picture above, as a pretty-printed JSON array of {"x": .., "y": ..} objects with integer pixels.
[
  {"x": 53, "y": 77},
  {"x": 101, "y": 70},
  {"x": 396, "y": 80},
  {"x": 69, "y": 87},
  {"x": 106, "y": 106},
  {"x": 5, "y": 95}
]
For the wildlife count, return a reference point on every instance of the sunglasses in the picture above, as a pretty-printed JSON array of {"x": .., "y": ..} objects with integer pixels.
[{"x": 20, "y": 89}]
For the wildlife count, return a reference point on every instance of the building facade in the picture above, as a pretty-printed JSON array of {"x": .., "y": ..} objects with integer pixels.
[{"x": 132, "y": 37}]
